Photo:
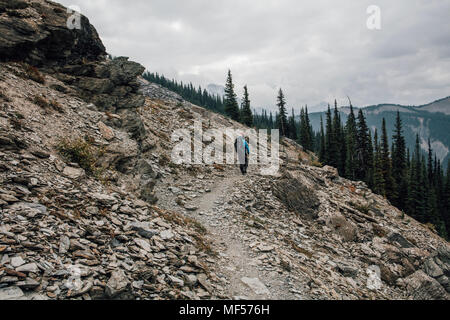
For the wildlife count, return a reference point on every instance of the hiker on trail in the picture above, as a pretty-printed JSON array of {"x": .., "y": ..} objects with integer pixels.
[{"x": 243, "y": 151}]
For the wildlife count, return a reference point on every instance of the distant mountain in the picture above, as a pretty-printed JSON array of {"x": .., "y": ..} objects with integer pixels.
[
  {"x": 216, "y": 89},
  {"x": 430, "y": 121}
]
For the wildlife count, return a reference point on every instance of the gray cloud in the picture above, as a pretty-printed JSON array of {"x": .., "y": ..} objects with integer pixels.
[{"x": 315, "y": 50}]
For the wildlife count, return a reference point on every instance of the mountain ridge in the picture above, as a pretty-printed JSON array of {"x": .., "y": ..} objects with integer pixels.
[{"x": 423, "y": 120}]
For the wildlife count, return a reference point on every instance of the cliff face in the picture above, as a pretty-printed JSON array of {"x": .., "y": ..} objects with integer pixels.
[
  {"x": 36, "y": 32},
  {"x": 91, "y": 206}
]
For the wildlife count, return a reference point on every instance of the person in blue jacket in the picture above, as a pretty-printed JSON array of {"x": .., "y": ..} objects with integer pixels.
[{"x": 243, "y": 151}]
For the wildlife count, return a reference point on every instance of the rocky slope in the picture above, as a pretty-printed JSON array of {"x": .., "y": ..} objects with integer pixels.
[{"x": 91, "y": 206}]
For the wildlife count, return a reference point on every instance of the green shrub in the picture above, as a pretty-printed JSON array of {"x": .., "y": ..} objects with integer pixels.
[
  {"x": 81, "y": 152},
  {"x": 316, "y": 163}
]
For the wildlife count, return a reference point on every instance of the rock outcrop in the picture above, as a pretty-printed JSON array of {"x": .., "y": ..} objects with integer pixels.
[{"x": 36, "y": 32}]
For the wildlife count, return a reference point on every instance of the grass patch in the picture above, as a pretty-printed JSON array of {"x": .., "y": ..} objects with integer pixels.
[
  {"x": 361, "y": 207},
  {"x": 32, "y": 73},
  {"x": 82, "y": 152},
  {"x": 200, "y": 230},
  {"x": 46, "y": 104},
  {"x": 316, "y": 163}
]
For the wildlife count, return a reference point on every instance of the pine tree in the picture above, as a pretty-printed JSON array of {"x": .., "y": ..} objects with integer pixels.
[
  {"x": 446, "y": 202},
  {"x": 340, "y": 141},
  {"x": 386, "y": 164},
  {"x": 292, "y": 127},
  {"x": 430, "y": 164},
  {"x": 282, "y": 118},
  {"x": 304, "y": 132},
  {"x": 335, "y": 152},
  {"x": 370, "y": 163},
  {"x": 310, "y": 144},
  {"x": 246, "y": 113},
  {"x": 399, "y": 165},
  {"x": 322, "y": 152},
  {"x": 364, "y": 151},
  {"x": 378, "y": 179},
  {"x": 231, "y": 105},
  {"x": 350, "y": 136},
  {"x": 330, "y": 142},
  {"x": 416, "y": 205}
]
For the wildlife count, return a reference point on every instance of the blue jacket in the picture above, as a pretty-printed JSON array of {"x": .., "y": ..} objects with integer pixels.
[{"x": 247, "y": 147}]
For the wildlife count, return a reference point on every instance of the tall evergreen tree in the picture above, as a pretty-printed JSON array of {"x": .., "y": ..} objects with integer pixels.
[
  {"x": 322, "y": 152},
  {"x": 282, "y": 117},
  {"x": 305, "y": 131},
  {"x": 340, "y": 141},
  {"x": 336, "y": 154},
  {"x": 416, "y": 205},
  {"x": 246, "y": 113},
  {"x": 378, "y": 178},
  {"x": 310, "y": 145},
  {"x": 231, "y": 105},
  {"x": 399, "y": 165},
  {"x": 386, "y": 164},
  {"x": 364, "y": 151},
  {"x": 330, "y": 146},
  {"x": 351, "y": 144},
  {"x": 430, "y": 164},
  {"x": 370, "y": 163},
  {"x": 446, "y": 196},
  {"x": 292, "y": 127}
]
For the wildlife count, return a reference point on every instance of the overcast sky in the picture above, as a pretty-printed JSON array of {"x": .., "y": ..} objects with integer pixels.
[{"x": 315, "y": 50}]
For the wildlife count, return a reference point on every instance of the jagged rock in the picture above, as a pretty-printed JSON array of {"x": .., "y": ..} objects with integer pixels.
[
  {"x": 147, "y": 192},
  {"x": 104, "y": 199},
  {"x": 28, "y": 284},
  {"x": 11, "y": 293},
  {"x": 73, "y": 173},
  {"x": 396, "y": 237},
  {"x": 64, "y": 244},
  {"x": 432, "y": 269},
  {"x": 8, "y": 198},
  {"x": 166, "y": 235},
  {"x": 347, "y": 270},
  {"x": 344, "y": 228},
  {"x": 296, "y": 196},
  {"x": 143, "y": 244},
  {"x": 30, "y": 267},
  {"x": 422, "y": 287},
  {"x": 17, "y": 262},
  {"x": 444, "y": 282},
  {"x": 176, "y": 281},
  {"x": 49, "y": 40},
  {"x": 117, "y": 284},
  {"x": 106, "y": 131},
  {"x": 256, "y": 285}
]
